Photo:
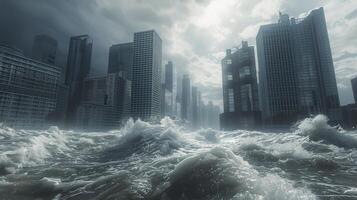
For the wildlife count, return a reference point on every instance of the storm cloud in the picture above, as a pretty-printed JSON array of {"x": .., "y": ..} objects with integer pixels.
[{"x": 195, "y": 33}]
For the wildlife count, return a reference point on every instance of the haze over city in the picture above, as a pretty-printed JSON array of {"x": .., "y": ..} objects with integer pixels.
[
  {"x": 178, "y": 99},
  {"x": 195, "y": 33}
]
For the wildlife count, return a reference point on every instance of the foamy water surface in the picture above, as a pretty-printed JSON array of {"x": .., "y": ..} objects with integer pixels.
[{"x": 169, "y": 162}]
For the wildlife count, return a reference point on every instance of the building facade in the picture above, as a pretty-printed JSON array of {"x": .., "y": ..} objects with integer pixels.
[
  {"x": 178, "y": 104},
  {"x": 296, "y": 71},
  {"x": 44, "y": 49},
  {"x": 78, "y": 67},
  {"x": 121, "y": 59},
  {"x": 28, "y": 90},
  {"x": 105, "y": 102},
  {"x": 92, "y": 117},
  {"x": 146, "y": 83},
  {"x": 119, "y": 94},
  {"x": 354, "y": 88},
  {"x": 195, "y": 107},
  {"x": 240, "y": 89},
  {"x": 169, "y": 90},
  {"x": 186, "y": 97}
]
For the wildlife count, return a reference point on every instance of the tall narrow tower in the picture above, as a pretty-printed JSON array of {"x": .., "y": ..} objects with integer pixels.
[
  {"x": 186, "y": 97},
  {"x": 240, "y": 89},
  {"x": 78, "y": 67},
  {"x": 146, "y": 83}
]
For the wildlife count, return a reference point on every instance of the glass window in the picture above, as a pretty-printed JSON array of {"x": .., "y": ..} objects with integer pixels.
[
  {"x": 231, "y": 100},
  {"x": 246, "y": 97},
  {"x": 244, "y": 71},
  {"x": 230, "y": 76}
]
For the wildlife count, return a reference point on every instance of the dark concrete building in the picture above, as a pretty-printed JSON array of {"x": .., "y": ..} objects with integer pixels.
[
  {"x": 186, "y": 97},
  {"x": 28, "y": 90},
  {"x": 44, "y": 49},
  {"x": 119, "y": 94},
  {"x": 146, "y": 82},
  {"x": 78, "y": 67},
  {"x": 349, "y": 112},
  {"x": 121, "y": 59},
  {"x": 354, "y": 88},
  {"x": 57, "y": 118},
  {"x": 240, "y": 89},
  {"x": 349, "y": 116},
  {"x": 105, "y": 102},
  {"x": 296, "y": 71}
]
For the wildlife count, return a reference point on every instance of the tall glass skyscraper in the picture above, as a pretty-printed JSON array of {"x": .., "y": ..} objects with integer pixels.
[
  {"x": 296, "y": 72},
  {"x": 146, "y": 82},
  {"x": 78, "y": 67}
]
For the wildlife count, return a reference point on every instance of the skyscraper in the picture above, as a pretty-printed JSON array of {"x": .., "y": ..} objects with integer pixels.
[
  {"x": 240, "y": 89},
  {"x": 169, "y": 76},
  {"x": 146, "y": 83},
  {"x": 354, "y": 88},
  {"x": 121, "y": 59},
  {"x": 296, "y": 71},
  {"x": 119, "y": 94},
  {"x": 28, "y": 89},
  {"x": 78, "y": 67},
  {"x": 178, "y": 104},
  {"x": 169, "y": 90},
  {"x": 44, "y": 49},
  {"x": 201, "y": 110},
  {"x": 195, "y": 107},
  {"x": 186, "y": 97},
  {"x": 105, "y": 102}
]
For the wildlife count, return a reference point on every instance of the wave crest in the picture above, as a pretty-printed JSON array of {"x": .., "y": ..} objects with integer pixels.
[{"x": 317, "y": 129}]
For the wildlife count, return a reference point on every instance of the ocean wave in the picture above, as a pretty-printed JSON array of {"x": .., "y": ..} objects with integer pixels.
[
  {"x": 143, "y": 138},
  {"x": 31, "y": 148},
  {"x": 210, "y": 175},
  {"x": 167, "y": 161},
  {"x": 209, "y": 135},
  {"x": 220, "y": 174},
  {"x": 317, "y": 129}
]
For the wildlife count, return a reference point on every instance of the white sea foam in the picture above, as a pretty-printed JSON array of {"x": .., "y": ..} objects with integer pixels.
[
  {"x": 317, "y": 129},
  {"x": 168, "y": 161},
  {"x": 32, "y": 148},
  {"x": 219, "y": 173}
]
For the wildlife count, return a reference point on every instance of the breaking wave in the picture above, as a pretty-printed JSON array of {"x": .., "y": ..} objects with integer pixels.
[
  {"x": 170, "y": 162},
  {"x": 317, "y": 129}
]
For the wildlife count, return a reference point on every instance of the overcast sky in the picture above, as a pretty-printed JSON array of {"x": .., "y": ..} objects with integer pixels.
[{"x": 195, "y": 33}]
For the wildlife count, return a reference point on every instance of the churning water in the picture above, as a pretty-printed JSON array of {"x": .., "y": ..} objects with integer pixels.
[{"x": 169, "y": 162}]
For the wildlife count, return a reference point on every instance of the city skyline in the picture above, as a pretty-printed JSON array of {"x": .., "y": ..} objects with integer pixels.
[
  {"x": 186, "y": 45},
  {"x": 178, "y": 99}
]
